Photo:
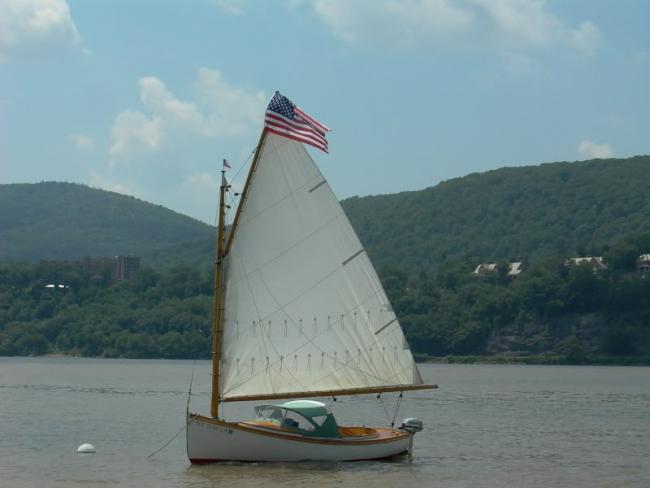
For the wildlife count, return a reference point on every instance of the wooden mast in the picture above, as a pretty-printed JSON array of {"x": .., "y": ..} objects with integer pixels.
[
  {"x": 222, "y": 249},
  {"x": 218, "y": 301}
]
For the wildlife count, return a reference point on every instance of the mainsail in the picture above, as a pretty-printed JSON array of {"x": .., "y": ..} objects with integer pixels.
[{"x": 304, "y": 310}]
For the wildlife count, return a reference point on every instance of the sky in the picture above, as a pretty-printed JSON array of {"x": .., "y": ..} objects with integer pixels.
[{"x": 146, "y": 97}]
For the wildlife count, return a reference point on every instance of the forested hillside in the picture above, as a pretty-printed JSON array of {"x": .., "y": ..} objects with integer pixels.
[
  {"x": 530, "y": 212},
  {"x": 555, "y": 209},
  {"x": 70, "y": 221},
  {"x": 424, "y": 244}
]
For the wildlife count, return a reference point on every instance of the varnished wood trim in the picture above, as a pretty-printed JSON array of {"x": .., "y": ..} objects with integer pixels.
[
  {"x": 327, "y": 393},
  {"x": 397, "y": 434}
]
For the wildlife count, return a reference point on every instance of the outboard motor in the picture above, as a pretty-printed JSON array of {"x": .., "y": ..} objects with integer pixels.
[{"x": 411, "y": 425}]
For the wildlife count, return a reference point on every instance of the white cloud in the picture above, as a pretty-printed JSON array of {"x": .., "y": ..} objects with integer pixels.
[
  {"x": 232, "y": 7},
  {"x": 131, "y": 130},
  {"x": 406, "y": 22},
  {"x": 220, "y": 110},
  {"x": 35, "y": 22},
  {"x": 592, "y": 150},
  {"x": 229, "y": 110},
  {"x": 586, "y": 38},
  {"x": 82, "y": 141},
  {"x": 509, "y": 24}
]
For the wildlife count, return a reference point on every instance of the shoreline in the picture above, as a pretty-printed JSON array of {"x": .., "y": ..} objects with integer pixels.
[
  {"x": 521, "y": 360},
  {"x": 548, "y": 360}
]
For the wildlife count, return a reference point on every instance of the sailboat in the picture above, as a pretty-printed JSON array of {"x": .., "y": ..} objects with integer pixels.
[{"x": 299, "y": 314}]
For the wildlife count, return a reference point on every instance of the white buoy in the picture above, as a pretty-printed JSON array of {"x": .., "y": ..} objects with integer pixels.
[{"x": 86, "y": 449}]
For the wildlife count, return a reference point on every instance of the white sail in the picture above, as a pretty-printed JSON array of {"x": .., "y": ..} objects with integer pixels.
[{"x": 304, "y": 308}]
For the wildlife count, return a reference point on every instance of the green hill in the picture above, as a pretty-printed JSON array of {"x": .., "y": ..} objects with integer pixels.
[
  {"x": 424, "y": 244},
  {"x": 69, "y": 221},
  {"x": 530, "y": 212}
]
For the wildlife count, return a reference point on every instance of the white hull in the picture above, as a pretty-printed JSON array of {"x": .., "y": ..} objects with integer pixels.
[{"x": 210, "y": 440}]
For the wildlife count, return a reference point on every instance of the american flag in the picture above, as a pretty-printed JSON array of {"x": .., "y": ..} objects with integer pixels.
[
  {"x": 285, "y": 119},
  {"x": 226, "y": 164}
]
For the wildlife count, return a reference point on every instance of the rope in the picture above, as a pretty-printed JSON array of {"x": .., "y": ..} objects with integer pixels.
[
  {"x": 168, "y": 442},
  {"x": 383, "y": 406},
  {"x": 399, "y": 400},
  {"x": 187, "y": 409}
]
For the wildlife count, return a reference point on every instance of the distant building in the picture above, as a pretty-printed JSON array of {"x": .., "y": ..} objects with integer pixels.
[
  {"x": 595, "y": 263},
  {"x": 125, "y": 266},
  {"x": 98, "y": 269},
  {"x": 104, "y": 269},
  {"x": 643, "y": 263},
  {"x": 514, "y": 269}
]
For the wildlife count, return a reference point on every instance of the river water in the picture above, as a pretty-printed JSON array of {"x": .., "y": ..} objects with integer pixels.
[{"x": 486, "y": 426}]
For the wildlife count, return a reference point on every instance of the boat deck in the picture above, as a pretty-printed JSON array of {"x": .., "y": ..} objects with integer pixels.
[{"x": 347, "y": 433}]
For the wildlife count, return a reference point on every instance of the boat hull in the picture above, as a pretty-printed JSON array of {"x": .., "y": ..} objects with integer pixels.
[{"x": 210, "y": 440}]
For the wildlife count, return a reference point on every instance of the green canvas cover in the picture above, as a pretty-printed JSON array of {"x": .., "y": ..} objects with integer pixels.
[{"x": 317, "y": 414}]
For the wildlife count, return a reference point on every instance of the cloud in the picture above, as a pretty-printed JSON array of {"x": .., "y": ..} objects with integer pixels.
[
  {"x": 220, "y": 110},
  {"x": 509, "y": 24},
  {"x": 406, "y": 22},
  {"x": 229, "y": 110},
  {"x": 592, "y": 150},
  {"x": 28, "y": 23},
  {"x": 82, "y": 141},
  {"x": 98, "y": 180},
  {"x": 232, "y": 7},
  {"x": 586, "y": 38},
  {"x": 134, "y": 130}
]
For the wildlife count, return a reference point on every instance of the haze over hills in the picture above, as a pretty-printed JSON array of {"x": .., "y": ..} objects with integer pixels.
[
  {"x": 69, "y": 221},
  {"x": 509, "y": 213}
]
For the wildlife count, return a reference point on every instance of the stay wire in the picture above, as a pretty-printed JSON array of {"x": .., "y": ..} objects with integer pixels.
[
  {"x": 383, "y": 406},
  {"x": 187, "y": 409},
  {"x": 399, "y": 400}
]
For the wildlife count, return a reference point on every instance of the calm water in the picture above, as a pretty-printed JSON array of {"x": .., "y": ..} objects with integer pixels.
[{"x": 487, "y": 426}]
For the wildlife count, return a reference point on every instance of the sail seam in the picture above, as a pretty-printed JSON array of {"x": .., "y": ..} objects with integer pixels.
[
  {"x": 277, "y": 202},
  {"x": 293, "y": 246}
]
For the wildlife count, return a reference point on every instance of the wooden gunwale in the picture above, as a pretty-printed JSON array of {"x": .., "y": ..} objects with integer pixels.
[{"x": 392, "y": 435}]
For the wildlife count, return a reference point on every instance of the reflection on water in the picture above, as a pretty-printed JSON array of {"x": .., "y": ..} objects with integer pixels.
[{"x": 487, "y": 426}]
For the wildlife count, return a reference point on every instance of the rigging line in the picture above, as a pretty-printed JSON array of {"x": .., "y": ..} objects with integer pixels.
[
  {"x": 381, "y": 400},
  {"x": 399, "y": 400},
  {"x": 189, "y": 391},
  {"x": 168, "y": 442},
  {"x": 243, "y": 165}
]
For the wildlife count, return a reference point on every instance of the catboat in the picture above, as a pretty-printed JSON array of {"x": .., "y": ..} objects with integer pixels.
[{"x": 299, "y": 313}]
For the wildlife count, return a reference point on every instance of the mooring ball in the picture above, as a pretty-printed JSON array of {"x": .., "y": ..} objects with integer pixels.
[{"x": 86, "y": 449}]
